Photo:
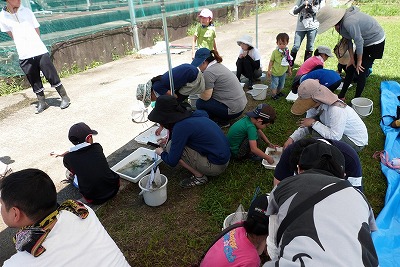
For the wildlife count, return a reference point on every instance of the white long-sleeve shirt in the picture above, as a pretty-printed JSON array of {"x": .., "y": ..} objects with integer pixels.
[{"x": 334, "y": 122}]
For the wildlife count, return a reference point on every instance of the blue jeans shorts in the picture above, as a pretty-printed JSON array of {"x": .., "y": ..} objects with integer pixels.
[{"x": 278, "y": 82}]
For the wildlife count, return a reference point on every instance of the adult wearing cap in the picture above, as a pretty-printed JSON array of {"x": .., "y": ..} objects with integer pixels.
[
  {"x": 249, "y": 60},
  {"x": 320, "y": 216},
  {"x": 287, "y": 165},
  {"x": 196, "y": 142},
  {"x": 307, "y": 25},
  {"x": 327, "y": 117},
  {"x": 88, "y": 166},
  {"x": 242, "y": 245},
  {"x": 223, "y": 98},
  {"x": 243, "y": 135},
  {"x": 187, "y": 80},
  {"x": 367, "y": 34},
  {"x": 22, "y": 26}
]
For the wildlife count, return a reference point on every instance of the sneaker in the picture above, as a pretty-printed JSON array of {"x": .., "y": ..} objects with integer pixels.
[
  {"x": 280, "y": 94},
  {"x": 275, "y": 97},
  {"x": 193, "y": 181},
  {"x": 223, "y": 124}
]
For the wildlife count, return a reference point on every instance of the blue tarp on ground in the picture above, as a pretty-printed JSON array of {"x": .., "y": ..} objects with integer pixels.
[{"x": 387, "y": 238}]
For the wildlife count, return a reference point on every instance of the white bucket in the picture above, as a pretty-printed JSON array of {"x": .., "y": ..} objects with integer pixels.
[
  {"x": 228, "y": 222},
  {"x": 259, "y": 91},
  {"x": 192, "y": 100},
  {"x": 154, "y": 197},
  {"x": 363, "y": 106}
]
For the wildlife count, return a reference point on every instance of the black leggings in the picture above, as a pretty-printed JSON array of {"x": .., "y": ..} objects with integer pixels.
[{"x": 370, "y": 53}]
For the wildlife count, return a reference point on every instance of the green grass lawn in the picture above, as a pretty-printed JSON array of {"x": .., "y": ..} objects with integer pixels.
[{"x": 176, "y": 233}]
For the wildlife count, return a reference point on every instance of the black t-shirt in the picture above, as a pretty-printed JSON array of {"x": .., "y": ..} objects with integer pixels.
[{"x": 97, "y": 182}]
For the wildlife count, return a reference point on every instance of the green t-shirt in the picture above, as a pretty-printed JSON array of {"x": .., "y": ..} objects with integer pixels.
[
  {"x": 205, "y": 37},
  {"x": 277, "y": 68},
  {"x": 239, "y": 131}
]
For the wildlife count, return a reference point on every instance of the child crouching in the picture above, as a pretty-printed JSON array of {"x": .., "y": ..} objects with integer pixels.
[{"x": 244, "y": 133}]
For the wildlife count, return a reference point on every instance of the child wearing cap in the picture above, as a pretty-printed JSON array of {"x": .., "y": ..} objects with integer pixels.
[
  {"x": 279, "y": 64},
  {"x": 244, "y": 133},
  {"x": 248, "y": 62},
  {"x": 321, "y": 54},
  {"x": 87, "y": 165},
  {"x": 205, "y": 35}
]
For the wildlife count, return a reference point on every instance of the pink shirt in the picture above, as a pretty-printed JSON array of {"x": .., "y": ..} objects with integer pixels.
[
  {"x": 232, "y": 250},
  {"x": 310, "y": 64}
]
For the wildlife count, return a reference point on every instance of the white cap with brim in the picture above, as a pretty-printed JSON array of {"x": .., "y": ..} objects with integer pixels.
[
  {"x": 329, "y": 17},
  {"x": 310, "y": 93}
]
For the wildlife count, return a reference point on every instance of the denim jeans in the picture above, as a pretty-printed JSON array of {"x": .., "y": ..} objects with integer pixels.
[
  {"x": 298, "y": 38},
  {"x": 216, "y": 110}
]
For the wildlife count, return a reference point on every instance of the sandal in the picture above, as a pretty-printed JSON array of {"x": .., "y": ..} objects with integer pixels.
[{"x": 193, "y": 181}]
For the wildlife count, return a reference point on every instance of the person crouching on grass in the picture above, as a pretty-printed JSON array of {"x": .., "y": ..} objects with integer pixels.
[
  {"x": 244, "y": 134},
  {"x": 196, "y": 142}
]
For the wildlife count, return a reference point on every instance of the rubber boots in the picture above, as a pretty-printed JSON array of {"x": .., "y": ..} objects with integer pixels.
[
  {"x": 293, "y": 54},
  {"x": 307, "y": 55},
  {"x": 42, "y": 105},
  {"x": 65, "y": 101}
]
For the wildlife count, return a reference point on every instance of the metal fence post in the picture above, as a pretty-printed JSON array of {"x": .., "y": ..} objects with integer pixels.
[
  {"x": 236, "y": 7},
  {"x": 166, "y": 38},
  {"x": 134, "y": 25}
]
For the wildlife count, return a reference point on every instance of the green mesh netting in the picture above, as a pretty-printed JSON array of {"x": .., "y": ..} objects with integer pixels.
[{"x": 62, "y": 20}]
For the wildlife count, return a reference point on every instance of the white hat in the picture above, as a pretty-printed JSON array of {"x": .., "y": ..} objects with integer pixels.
[
  {"x": 245, "y": 39},
  {"x": 206, "y": 13},
  {"x": 329, "y": 17}
]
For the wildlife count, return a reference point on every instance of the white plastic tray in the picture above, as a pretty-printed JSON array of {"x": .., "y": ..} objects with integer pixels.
[
  {"x": 276, "y": 155},
  {"x": 291, "y": 97},
  {"x": 143, "y": 158},
  {"x": 150, "y": 135}
]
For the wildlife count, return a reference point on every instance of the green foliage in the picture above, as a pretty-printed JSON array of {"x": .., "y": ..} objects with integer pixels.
[
  {"x": 10, "y": 86},
  {"x": 375, "y": 8}
]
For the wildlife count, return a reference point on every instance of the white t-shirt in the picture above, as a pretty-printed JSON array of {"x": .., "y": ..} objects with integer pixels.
[
  {"x": 22, "y": 25},
  {"x": 74, "y": 242},
  {"x": 253, "y": 53}
]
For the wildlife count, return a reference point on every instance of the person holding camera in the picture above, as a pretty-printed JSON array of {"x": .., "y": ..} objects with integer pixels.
[{"x": 307, "y": 25}]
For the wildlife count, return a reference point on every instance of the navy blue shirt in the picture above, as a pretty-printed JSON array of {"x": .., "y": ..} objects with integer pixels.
[
  {"x": 352, "y": 166},
  {"x": 200, "y": 134},
  {"x": 182, "y": 74},
  {"x": 325, "y": 77}
]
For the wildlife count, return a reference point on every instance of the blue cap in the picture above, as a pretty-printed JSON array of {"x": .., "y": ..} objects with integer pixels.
[{"x": 201, "y": 55}]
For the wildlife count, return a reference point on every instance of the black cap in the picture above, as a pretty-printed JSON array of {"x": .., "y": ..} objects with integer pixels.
[
  {"x": 78, "y": 132},
  {"x": 312, "y": 155},
  {"x": 257, "y": 218}
]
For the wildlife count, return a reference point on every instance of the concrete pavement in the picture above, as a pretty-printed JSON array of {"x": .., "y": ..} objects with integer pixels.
[{"x": 103, "y": 98}]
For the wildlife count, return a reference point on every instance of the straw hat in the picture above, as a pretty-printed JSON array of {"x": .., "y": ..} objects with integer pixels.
[
  {"x": 310, "y": 93},
  {"x": 329, "y": 17},
  {"x": 245, "y": 39}
]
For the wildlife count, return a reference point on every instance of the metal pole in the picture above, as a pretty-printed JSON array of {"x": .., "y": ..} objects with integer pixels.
[
  {"x": 257, "y": 23},
  {"x": 236, "y": 6},
  {"x": 134, "y": 25},
  {"x": 165, "y": 26},
  {"x": 27, "y": 4}
]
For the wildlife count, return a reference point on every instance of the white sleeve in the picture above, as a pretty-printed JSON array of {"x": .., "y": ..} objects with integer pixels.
[{"x": 332, "y": 123}]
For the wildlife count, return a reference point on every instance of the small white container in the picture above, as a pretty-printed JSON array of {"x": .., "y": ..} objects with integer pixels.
[
  {"x": 276, "y": 155},
  {"x": 363, "y": 106},
  {"x": 157, "y": 196},
  {"x": 259, "y": 91},
  {"x": 137, "y": 155},
  {"x": 228, "y": 220}
]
